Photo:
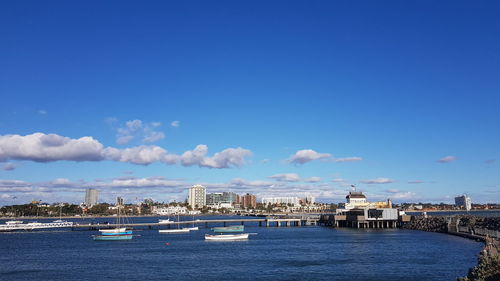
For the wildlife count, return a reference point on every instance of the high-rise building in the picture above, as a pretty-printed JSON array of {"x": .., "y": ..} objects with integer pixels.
[
  {"x": 91, "y": 197},
  {"x": 249, "y": 200},
  {"x": 463, "y": 201},
  {"x": 119, "y": 201},
  {"x": 197, "y": 196}
]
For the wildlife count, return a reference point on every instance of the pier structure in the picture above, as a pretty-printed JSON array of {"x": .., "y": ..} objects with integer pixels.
[
  {"x": 267, "y": 222},
  {"x": 357, "y": 212}
]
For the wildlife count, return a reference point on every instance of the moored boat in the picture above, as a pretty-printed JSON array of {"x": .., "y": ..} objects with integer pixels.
[
  {"x": 226, "y": 237},
  {"x": 180, "y": 230},
  {"x": 112, "y": 237}
]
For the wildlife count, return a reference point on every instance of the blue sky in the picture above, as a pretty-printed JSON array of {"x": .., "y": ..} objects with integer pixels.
[{"x": 270, "y": 97}]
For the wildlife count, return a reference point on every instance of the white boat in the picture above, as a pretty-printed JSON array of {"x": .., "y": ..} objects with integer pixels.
[
  {"x": 180, "y": 230},
  {"x": 13, "y": 222},
  {"x": 114, "y": 230},
  {"x": 227, "y": 237},
  {"x": 191, "y": 228},
  {"x": 177, "y": 230},
  {"x": 167, "y": 221}
]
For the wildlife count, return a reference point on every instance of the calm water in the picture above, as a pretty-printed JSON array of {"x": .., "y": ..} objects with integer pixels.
[{"x": 295, "y": 253}]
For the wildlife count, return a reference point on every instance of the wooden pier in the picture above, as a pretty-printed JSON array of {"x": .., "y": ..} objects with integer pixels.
[{"x": 268, "y": 222}]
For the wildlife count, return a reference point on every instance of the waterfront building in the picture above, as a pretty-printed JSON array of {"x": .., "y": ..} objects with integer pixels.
[
  {"x": 356, "y": 199},
  {"x": 91, "y": 197},
  {"x": 281, "y": 200},
  {"x": 358, "y": 212},
  {"x": 249, "y": 201},
  {"x": 229, "y": 197},
  {"x": 463, "y": 202},
  {"x": 197, "y": 196},
  {"x": 214, "y": 198},
  {"x": 310, "y": 200},
  {"x": 171, "y": 210}
]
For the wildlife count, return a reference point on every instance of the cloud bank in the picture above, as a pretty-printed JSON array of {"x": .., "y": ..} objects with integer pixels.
[{"x": 40, "y": 147}]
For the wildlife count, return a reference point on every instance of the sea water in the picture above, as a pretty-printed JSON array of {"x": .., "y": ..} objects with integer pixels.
[{"x": 285, "y": 253}]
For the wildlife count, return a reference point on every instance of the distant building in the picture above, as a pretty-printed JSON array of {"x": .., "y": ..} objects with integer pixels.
[
  {"x": 463, "y": 202},
  {"x": 356, "y": 199},
  {"x": 171, "y": 210},
  {"x": 249, "y": 201},
  {"x": 119, "y": 201},
  {"x": 197, "y": 196},
  {"x": 310, "y": 200},
  {"x": 91, "y": 197},
  {"x": 281, "y": 200},
  {"x": 214, "y": 198},
  {"x": 229, "y": 197}
]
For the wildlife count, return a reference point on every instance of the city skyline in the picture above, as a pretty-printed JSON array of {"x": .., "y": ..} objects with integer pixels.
[{"x": 262, "y": 98}]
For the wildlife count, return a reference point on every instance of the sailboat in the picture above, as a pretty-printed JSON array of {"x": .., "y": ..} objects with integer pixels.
[
  {"x": 177, "y": 230},
  {"x": 118, "y": 233},
  {"x": 193, "y": 227}
]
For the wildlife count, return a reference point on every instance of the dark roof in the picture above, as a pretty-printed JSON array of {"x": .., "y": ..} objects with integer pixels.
[{"x": 354, "y": 194}]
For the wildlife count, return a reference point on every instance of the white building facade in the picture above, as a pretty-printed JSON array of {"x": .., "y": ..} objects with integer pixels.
[
  {"x": 197, "y": 196},
  {"x": 463, "y": 201},
  {"x": 91, "y": 197},
  {"x": 281, "y": 200}
]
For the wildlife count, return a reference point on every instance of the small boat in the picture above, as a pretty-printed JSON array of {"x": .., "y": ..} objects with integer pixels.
[
  {"x": 191, "y": 228},
  {"x": 165, "y": 221},
  {"x": 114, "y": 230},
  {"x": 114, "y": 234},
  {"x": 226, "y": 229},
  {"x": 177, "y": 230},
  {"x": 112, "y": 237},
  {"x": 180, "y": 230},
  {"x": 227, "y": 237}
]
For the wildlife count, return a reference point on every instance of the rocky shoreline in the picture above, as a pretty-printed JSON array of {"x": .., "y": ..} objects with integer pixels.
[{"x": 488, "y": 267}]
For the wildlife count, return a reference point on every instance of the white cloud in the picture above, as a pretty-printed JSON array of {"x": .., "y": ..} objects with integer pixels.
[
  {"x": 9, "y": 167},
  {"x": 290, "y": 177},
  {"x": 42, "y": 112},
  {"x": 378, "y": 181},
  {"x": 447, "y": 159},
  {"x": 338, "y": 180},
  {"x": 175, "y": 124},
  {"x": 137, "y": 129},
  {"x": 257, "y": 183},
  {"x": 307, "y": 155},
  {"x": 224, "y": 159},
  {"x": 348, "y": 159},
  {"x": 313, "y": 179},
  {"x": 40, "y": 147},
  {"x": 141, "y": 155}
]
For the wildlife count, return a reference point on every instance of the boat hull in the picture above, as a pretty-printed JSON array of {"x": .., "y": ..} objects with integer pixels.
[
  {"x": 182, "y": 230},
  {"x": 226, "y": 237},
  {"x": 117, "y": 233},
  {"x": 113, "y": 231},
  {"x": 112, "y": 237}
]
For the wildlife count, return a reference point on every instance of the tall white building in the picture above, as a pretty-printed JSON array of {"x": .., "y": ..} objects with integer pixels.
[
  {"x": 463, "y": 201},
  {"x": 91, "y": 197},
  {"x": 197, "y": 196}
]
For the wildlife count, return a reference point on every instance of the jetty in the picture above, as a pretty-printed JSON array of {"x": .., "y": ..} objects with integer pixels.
[{"x": 207, "y": 223}]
